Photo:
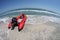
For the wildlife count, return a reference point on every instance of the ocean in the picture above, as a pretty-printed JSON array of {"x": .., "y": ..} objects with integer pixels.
[{"x": 32, "y": 14}]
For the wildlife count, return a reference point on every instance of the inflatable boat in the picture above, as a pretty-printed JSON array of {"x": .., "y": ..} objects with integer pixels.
[{"x": 21, "y": 24}]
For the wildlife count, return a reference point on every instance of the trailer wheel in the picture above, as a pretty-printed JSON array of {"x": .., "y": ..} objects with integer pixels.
[
  {"x": 8, "y": 27},
  {"x": 19, "y": 30}
]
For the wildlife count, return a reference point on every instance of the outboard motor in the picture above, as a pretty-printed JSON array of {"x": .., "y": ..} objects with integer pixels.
[
  {"x": 14, "y": 22},
  {"x": 14, "y": 19}
]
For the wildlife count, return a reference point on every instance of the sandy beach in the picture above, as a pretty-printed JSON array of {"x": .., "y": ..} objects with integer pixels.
[{"x": 46, "y": 31}]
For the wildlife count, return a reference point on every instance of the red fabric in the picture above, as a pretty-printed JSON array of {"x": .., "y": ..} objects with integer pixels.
[{"x": 21, "y": 24}]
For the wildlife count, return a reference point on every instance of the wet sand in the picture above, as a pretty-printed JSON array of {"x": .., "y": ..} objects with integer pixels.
[{"x": 46, "y": 31}]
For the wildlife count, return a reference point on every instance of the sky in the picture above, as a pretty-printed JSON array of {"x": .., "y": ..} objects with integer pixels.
[{"x": 53, "y": 5}]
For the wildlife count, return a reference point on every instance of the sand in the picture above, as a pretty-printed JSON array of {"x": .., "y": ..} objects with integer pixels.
[{"x": 46, "y": 31}]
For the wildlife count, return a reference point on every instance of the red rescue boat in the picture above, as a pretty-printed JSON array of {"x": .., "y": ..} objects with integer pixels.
[{"x": 21, "y": 24}]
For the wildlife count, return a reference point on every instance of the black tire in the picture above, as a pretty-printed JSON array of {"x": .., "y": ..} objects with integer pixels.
[
  {"x": 19, "y": 30},
  {"x": 8, "y": 27}
]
